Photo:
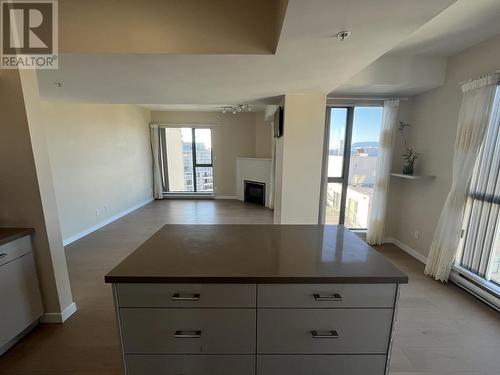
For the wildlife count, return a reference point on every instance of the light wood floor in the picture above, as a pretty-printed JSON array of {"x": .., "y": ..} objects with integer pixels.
[{"x": 440, "y": 330}]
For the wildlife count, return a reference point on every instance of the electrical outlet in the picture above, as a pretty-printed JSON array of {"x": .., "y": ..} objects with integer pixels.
[
  {"x": 416, "y": 234},
  {"x": 97, "y": 212}
]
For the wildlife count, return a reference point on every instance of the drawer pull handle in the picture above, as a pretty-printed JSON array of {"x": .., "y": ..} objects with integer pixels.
[
  {"x": 3, "y": 255},
  {"x": 185, "y": 297},
  {"x": 335, "y": 297},
  {"x": 333, "y": 334},
  {"x": 187, "y": 334}
]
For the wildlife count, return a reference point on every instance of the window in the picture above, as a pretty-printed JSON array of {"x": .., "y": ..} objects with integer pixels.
[
  {"x": 186, "y": 160},
  {"x": 480, "y": 244},
  {"x": 351, "y": 156}
]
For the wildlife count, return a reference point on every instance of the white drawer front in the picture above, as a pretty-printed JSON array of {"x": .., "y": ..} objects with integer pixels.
[
  {"x": 339, "y": 331},
  {"x": 15, "y": 249},
  {"x": 190, "y": 364},
  {"x": 186, "y": 295},
  {"x": 321, "y": 296},
  {"x": 207, "y": 331},
  {"x": 321, "y": 365},
  {"x": 21, "y": 304}
]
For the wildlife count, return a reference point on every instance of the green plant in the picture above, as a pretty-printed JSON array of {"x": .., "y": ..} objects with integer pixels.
[{"x": 410, "y": 155}]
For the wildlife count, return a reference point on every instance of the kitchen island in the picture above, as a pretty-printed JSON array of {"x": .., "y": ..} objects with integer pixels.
[{"x": 255, "y": 299}]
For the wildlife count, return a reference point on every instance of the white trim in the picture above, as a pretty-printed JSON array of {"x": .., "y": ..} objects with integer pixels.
[
  {"x": 226, "y": 197},
  {"x": 473, "y": 289},
  {"x": 407, "y": 249},
  {"x": 59, "y": 317},
  {"x": 83, "y": 233},
  {"x": 455, "y": 276}
]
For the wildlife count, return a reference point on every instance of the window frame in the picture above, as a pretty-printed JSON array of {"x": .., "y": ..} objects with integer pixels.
[
  {"x": 164, "y": 161},
  {"x": 344, "y": 178}
]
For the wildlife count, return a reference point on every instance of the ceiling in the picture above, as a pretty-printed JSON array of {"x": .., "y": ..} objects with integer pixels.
[
  {"x": 170, "y": 26},
  {"x": 462, "y": 25},
  {"x": 418, "y": 64},
  {"x": 196, "y": 107},
  {"x": 308, "y": 59},
  {"x": 396, "y": 75}
]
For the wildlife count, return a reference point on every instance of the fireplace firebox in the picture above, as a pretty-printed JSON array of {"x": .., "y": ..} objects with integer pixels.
[{"x": 255, "y": 192}]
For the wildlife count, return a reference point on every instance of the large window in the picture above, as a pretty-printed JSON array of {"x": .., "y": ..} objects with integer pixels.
[
  {"x": 480, "y": 245},
  {"x": 186, "y": 155},
  {"x": 353, "y": 135}
]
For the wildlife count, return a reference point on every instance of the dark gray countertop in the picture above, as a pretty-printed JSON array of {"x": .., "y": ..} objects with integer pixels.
[
  {"x": 11, "y": 234},
  {"x": 255, "y": 254}
]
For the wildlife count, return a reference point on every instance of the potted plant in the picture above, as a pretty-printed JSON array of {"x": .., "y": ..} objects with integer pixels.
[{"x": 410, "y": 155}]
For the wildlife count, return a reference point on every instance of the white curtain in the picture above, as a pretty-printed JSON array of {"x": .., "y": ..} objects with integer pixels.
[
  {"x": 473, "y": 119},
  {"x": 155, "y": 150},
  {"x": 376, "y": 216}
]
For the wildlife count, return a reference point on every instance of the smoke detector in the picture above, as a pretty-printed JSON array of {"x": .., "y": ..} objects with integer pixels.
[{"x": 343, "y": 35}]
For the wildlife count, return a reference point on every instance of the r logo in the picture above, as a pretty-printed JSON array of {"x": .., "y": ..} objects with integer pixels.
[
  {"x": 27, "y": 27},
  {"x": 29, "y": 34}
]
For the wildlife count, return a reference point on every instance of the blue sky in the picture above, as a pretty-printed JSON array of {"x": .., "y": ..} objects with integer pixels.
[{"x": 366, "y": 127}]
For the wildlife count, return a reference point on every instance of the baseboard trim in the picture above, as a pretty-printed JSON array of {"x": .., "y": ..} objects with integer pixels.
[
  {"x": 476, "y": 291},
  {"x": 59, "y": 317},
  {"x": 407, "y": 249},
  {"x": 87, "y": 231},
  {"x": 226, "y": 197}
]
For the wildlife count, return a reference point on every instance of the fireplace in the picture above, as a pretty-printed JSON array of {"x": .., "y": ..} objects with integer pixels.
[{"x": 255, "y": 192}]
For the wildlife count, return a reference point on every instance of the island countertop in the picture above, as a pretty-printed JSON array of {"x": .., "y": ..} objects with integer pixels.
[
  {"x": 256, "y": 254},
  {"x": 8, "y": 234}
]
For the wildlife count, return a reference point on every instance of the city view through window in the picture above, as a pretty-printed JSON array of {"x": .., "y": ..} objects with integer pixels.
[
  {"x": 362, "y": 126},
  {"x": 188, "y": 168}
]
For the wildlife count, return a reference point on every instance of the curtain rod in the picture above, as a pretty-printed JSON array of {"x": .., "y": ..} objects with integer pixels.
[{"x": 481, "y": 76}]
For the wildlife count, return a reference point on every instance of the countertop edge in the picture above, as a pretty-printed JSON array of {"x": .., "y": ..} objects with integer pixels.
[
  {"x": 14, "y": 236},
  {"x": 109, "y": 279}
]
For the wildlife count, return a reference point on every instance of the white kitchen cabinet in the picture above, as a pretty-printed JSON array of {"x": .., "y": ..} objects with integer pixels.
[{"x": 21, "y": 303}]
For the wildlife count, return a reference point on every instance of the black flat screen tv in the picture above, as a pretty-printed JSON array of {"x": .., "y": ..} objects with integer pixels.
[{"x": 278, "y": 123}]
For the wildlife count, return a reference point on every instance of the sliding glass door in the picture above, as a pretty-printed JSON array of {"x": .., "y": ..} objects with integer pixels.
[
  {"x": 351, "y": 156},
  {"x": 186, "y": 155},
  {"x": 479, "y": 251}
]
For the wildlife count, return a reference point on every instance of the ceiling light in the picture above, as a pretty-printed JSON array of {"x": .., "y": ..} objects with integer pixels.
[
  {"x": 343, "y": 35},
  {"x": 234, "y": 109}
]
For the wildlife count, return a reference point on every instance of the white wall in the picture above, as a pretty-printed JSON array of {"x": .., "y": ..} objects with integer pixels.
[
  {"x": 263, "y": 136},
  {"x": 100, "y": 159},
  {"x": 233, "y": 136},
  {"x": 416, "y": 206},
  {"x": 26, "y": 191},
  {"x": 299, "y": 167}
]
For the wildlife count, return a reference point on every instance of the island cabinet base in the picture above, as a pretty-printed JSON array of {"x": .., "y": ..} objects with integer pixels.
[
  {"x": 249, "y": 329},
  {"x": 190, "y": 364},
  {"x": 320, "y": 364}
]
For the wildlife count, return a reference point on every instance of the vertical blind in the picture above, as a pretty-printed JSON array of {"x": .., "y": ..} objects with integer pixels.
[{"x": 481, "y": 226}]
